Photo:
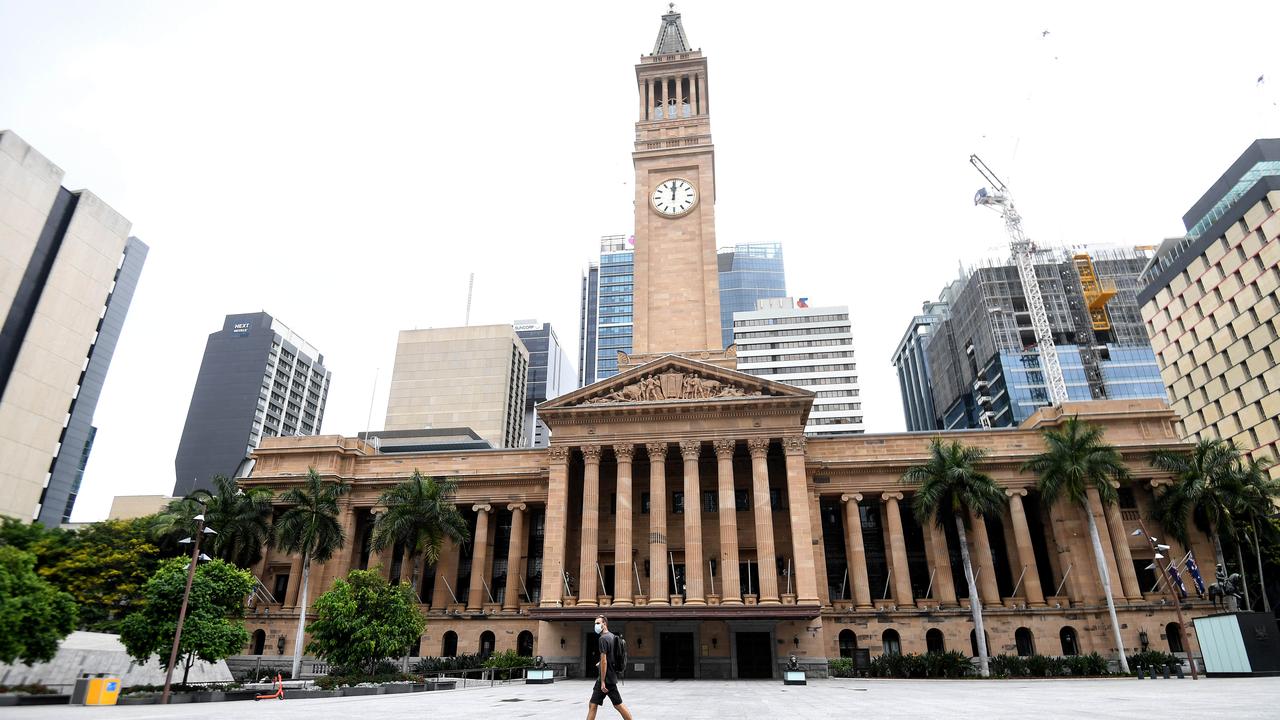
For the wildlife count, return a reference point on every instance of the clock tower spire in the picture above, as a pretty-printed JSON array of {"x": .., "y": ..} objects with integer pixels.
[{"x": 676, "y": 305}]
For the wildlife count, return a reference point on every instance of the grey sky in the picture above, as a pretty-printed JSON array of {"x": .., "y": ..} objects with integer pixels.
[{"x": 345, "y": 166}]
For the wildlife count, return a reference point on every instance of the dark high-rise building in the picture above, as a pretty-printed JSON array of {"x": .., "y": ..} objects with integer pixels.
[
  {"x": 748, "y": 273},
  {"x": 607, "y": 323},
  {"x": 68, "y": 268},
  {"x": 257, "y": 379},
  {"x": 550, "y": 375},
  {"x": 983, "y": 363},
  {"x": 912, "y": 361}
]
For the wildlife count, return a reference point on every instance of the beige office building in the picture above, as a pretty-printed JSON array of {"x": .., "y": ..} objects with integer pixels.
[
  {"x": 61, "y": 255},
  {"x": 461, "y": 377},
  {"x": 1211, "y": 303}
]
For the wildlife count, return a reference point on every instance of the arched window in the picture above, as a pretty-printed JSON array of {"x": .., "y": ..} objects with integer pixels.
[
  {"x": 524, "y": 644},
  {"x": 259, "y": 641},
  {"x": 973, "y": 642},
  {"x": 892, "y": 643},
  {"x": 1026, "y": 643},
  {"x": 1069, "y": 644},
  {"x": 1173, "y": 633},
  {"x": 486, "y": 644},
  {"x": 449, "y": 646},
  {"x": 934, "y": 642},
  {"x": 848, "y": 643}
]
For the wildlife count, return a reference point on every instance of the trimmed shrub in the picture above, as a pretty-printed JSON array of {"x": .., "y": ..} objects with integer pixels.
[
  {"x": 841, "y": 667},
  {"x": 505, "y": 662},
  {"x": 465, "y": 661},
  {"x": 1007, "y": 666},
  {"x": 1153, "y": 659},
  {"x": 950, "y": 664}
]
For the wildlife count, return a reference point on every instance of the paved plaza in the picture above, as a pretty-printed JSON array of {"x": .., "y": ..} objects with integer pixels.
[{"x": 1233, "y": 698}]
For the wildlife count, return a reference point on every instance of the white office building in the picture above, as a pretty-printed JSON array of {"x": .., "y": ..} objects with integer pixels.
[{"x": 809, "y": 347}]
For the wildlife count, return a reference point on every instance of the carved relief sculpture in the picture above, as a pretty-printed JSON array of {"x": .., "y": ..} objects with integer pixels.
[{"x": 672, "y": 386}]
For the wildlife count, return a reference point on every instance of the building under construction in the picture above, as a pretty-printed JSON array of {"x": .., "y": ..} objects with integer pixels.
[{"x": 984, "y": 369}]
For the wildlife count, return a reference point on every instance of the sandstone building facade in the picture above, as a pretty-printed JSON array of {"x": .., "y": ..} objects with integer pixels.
[{"x": 682, "y": 499}]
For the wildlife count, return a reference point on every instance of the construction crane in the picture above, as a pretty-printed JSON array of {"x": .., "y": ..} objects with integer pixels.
[{"x": 997, "y": 198}]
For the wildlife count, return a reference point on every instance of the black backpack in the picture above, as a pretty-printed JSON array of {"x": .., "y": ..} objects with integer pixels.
[{"x": 619, "y": 660}]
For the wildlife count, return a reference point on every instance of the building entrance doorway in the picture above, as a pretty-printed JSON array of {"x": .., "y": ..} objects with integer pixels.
[
  {"x": 676, "y": 657},
  {"x": 755, "y": 655}
]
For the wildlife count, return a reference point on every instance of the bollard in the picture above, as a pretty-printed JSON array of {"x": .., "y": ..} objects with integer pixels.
[
  {"x": 1139, "y": 668},
  {"x": 1178, "y": 668},
  {"x": 1166, "y": 671}
]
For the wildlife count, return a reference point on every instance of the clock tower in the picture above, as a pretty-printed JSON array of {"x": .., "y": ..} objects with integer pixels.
[{"x": 676, "y": 285}]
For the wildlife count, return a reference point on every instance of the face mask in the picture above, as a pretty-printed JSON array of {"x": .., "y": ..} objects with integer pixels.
[{"x": 599, "y": 627}]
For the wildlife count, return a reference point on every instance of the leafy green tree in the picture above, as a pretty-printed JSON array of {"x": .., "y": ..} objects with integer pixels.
[
  {"x": 34, "y": 616},
  {"x": 420, "y": 514},
  {"x": 103, "y": 566},
  {"x": 212, "y": 629},
  {"x": 949, "y": 488},
  {"x": 363, "y": 620},
  {"x": 242, "y": 519},
  {"x": 311, "y": 529},
  {"x": 1206, "y": 483},
  {"x": 1258, "y": 493},
  {"x": 26, "y": 535},
  {"x": 1079, "y": 466}
]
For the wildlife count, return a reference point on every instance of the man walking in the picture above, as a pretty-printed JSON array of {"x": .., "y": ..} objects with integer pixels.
[{"x": 608, "y": 684}]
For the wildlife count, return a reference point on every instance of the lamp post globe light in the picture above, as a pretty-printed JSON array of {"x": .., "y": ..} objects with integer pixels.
[
  {"x": 1163, "y": 570},
  {"x": 196, "y": 557}
]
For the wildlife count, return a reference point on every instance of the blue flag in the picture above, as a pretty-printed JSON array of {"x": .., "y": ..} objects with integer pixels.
[
  {"x": 1195, "y": 574},
  {"x": 1177, "y": 580}
]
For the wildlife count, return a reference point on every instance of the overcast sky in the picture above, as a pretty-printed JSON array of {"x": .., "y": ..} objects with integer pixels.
[{"x": 345, "y": 166}]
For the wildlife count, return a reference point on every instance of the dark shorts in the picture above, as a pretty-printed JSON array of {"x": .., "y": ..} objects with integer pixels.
[{"x": 598, "y": 695}]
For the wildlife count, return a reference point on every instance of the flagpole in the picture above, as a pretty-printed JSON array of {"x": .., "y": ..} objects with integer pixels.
[{"x": 1177, "y": 602}]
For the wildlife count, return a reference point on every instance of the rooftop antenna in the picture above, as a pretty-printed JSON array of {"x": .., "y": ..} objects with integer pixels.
[
  {"x": 368, "y": 420},
  {"x": 470, "y": 284}
]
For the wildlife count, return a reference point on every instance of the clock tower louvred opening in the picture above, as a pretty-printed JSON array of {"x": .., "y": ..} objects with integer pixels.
[{"x": 676, "y": 281}]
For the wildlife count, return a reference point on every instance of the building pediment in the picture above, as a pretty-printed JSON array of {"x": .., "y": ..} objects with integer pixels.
[{"x": 674, "y": 379}]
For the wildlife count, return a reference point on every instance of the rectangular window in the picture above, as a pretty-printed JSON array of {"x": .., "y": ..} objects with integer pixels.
[
  {"x": 709, "y": 501},
  {"x": 677, "y": 502},
  {"x": 742, "y": 500},
  {"x": 644, "y": 503},
  {"x": 775, "y": 500}
]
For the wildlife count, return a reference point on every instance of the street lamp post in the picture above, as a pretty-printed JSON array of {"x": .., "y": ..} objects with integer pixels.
[
  {"x": 201, "y": 531},
  {"x": 1173, "y": 595}
]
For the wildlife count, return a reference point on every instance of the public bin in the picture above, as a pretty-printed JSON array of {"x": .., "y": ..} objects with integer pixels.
[{"x": 96, "y": 690}]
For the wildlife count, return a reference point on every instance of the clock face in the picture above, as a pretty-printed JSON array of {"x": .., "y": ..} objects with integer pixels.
[{"x": 674, "y": 197}]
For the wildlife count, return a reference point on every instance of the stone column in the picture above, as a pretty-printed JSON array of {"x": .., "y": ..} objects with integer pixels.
[
  {"x": 691, "y": 451},
  {"x": 447, "y": 568},
  {"x": 641, "y": 86},
  {"x": 897, "y": 550},
  {"x": 855, "y": 553},
  {"x": 1124, "y": 558},
  {"x": 658, "y": 586},
  {"x": 1108, "y": 547},
  {"x": 988, "y": 590},
  {"x": 1069, "y": 561},
  {"x": 557, "y": 516},
  {"x": 341, "y": 562},
  {"x": 943, "y": 581},
  {"x": 730, "y": 585},
  {"x": 805, "y": 569},
  {"x": 295, "y": 582},
  {"x": 590, "y": 540},
  {"x": 765, "y": 553},
  {"x": 703, "y": 106},
  {"x": 1026, "y": 551},
  {"x": 515, "y": 555},
  {"x": 622, "y": 568},
  {"x": 476, "y": 598}
]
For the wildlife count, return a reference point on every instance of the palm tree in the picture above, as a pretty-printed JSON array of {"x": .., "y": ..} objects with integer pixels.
[
  {"x": 242, "y": 519},
  {"x": 419, "y": 515},
  {"x": 309, "y": 527},
  {"x": 1077, "y": 464},
  {"x": 950, "y": 487},
  {"x": 1258, "y": 492},
  {"x": 1206, "y": 483}
]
